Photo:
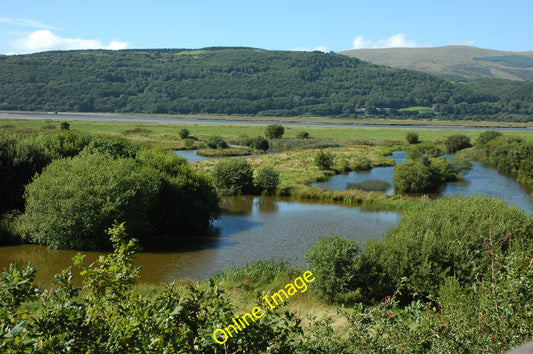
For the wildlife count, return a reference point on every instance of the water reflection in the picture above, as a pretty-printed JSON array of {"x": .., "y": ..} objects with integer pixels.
[{"x": 251, "y": 228}]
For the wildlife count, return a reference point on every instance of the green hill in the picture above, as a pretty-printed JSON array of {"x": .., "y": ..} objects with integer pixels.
[
  {"x": 453, "y": 62},
  {"x": 233, "y": 81}
]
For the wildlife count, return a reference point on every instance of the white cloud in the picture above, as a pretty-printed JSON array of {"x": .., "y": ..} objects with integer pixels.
[
  {"x": 319, "y": 48},
  {"x": 44, "y": 40},
  {"x": 394, "y": 41}
]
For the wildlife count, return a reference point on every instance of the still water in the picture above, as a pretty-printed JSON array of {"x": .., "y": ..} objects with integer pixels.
[
  {"x": 481, "y": 179},
  {"x": 251, "y": 228}
]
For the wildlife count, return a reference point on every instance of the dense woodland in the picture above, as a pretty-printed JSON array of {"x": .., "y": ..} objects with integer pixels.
[{"x": 246, "y": 81}]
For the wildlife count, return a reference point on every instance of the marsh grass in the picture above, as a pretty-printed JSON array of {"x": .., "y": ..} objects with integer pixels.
[
  {"x": 370, "y": 185},
  {"x": 232, "y": 151}
]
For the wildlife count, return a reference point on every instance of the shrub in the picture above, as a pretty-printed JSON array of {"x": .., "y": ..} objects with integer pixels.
[
  {"x": 302, "y": 135},
  {"x": 216, "y": 142},
  {"x": 184, "y": 133},
  {"x": 234, "y": 176},
  {"x": 324, "y": 160},
  {"x": 487, "y": 136},
  {"x": 416, "y": 176},
  {"x": 455, "y": 143},
  {"x": 112, "y": 147},
  {"x": 333, "y": 261},
  {"x": 445, "y": 239},
  {"x": 65, "y": 126},
  {"x": 267, "y": 180},
  {"x": 109, "y": 317},
  {"x": 412, "y": 138},
  {"x": 274, "y": 131},
  {"x": 73, "y": 201},
  {"x": 257, "y": 142},
  {"x": 421, "y": 150}
]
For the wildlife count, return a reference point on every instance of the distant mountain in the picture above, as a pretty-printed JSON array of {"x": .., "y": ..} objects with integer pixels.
[
  {"x": 461, "y": 63},
  {"x": 245, "y": 81}
]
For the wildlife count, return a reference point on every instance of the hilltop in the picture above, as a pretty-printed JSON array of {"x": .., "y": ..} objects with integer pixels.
[
  {"x": 461, "y": 63},
  {"x": 244, "y": 81}
]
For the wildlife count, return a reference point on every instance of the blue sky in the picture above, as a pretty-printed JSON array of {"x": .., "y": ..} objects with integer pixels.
[{"x": 334, "y": 25}]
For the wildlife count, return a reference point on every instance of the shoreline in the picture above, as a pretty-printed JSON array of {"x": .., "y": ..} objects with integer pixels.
[{"x": 318, "y": 121}]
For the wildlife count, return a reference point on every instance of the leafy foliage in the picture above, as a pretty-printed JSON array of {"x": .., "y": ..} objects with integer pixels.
[
  {"x": 429, "y": 245},
  {"x": 324, "y": 160},
  {"x": 106, "y": 316},
  {"x": 216, "y": 142},
  {"x": 457, "y": 142},
  {"x": 234, "y": 176},
  {"x": 267, "y": 180},
  {"x": 412, "y": 138},
  {"x": 73, "y": 201},
  {"x": 257, "y": 142},
  {"x": 333, "y": 260},
  {"x": 274, "y": 131}
]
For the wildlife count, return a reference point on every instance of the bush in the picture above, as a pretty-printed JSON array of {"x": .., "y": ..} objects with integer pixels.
[
  {"x": 216, "y": 142},
  {"x": 257, "y": 142},
  {"x": 455, "y": 143},
  {"x": 445, "y": 239},
  {"x": 423, "y": 150},
  {"x": 274, "y": 131},
  {"x": 234, "y": 176},
  {"x": 109, "y": 317},
  {"x": 65, "y": 126},
  {"x": 302, "y": 135},
  {"x": 412, "y": 138},
  {"x": 267, "y": 180},
  {"x": 487, "y": 136},
  {"x": 73, "y": 201},
  {"x": 184, "y": 133},
  {"x": 416, "y": 176},
  {"x": 333, "y": 261},
  {"x": 324, "y": 160}
]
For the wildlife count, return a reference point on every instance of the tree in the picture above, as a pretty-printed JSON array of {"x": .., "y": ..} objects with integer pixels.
[
  {"x": 412, "y": 138},
  {"x": 184, "y": 133},
  {"x": 216, "y": 142},
  {"x": 487, "y": 136},
  {"x": 333, "y": 261},
  {"x": 73, "y": 201},
  {"x": 302, "y": 135},
  {"x": 267, "y": 180},
  {"x": 234, "y": 176},
  {"x": 324, "y": 160},
  {"x": 65, "y": 126},
  {"x": 457, "y": 142},
  {"x": 416, "y": 176},
  {"x": 274, "y": 131}
]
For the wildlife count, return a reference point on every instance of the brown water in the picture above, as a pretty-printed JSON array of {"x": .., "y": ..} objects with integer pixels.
[{"x": 251, "y": 228}]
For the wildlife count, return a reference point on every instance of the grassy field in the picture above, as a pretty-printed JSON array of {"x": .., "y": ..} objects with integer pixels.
[{"x": 166, "y": 134}]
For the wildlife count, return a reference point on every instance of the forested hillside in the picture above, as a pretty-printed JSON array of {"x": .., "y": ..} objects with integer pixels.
[{"x": 240, "y": 81}]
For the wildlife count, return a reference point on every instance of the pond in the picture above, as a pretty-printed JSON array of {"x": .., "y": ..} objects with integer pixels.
[
  {"x": 481, "y": 179},
  {"x": 251, "y": 228}
]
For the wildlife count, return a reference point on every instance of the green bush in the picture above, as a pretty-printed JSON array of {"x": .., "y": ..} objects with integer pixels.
[
  {"x": 416, "y": 176},
  {"x": 73, "y": 201},
  {"x": 184, "y": 133},
  {"x": 274, "y": 131},
  {"x": 257, "y": 142},
  {"x": 333, "y": 261},
  {"x": 216, "y": 142},
  {"x": 487, "y": 136},
  {"x": 412, "y": 138},
  {"x": 457, "y": 142},
  {"x": 324, "y": 160},
  {"x": 267, "y": 180},
  {"x": 65, "y": 125},
  {"x": 234, "y": 176},
  {"x": 302, "y": 135},
  {"x": 446, "y": 239},
  {"x": 106, "y": 316},
  {"x": 423, "y": 150}
]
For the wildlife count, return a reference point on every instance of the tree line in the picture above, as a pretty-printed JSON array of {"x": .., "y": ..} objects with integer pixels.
[{"x": 241, "y": 81}]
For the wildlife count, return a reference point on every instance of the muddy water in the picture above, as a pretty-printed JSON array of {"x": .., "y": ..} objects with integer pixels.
[{"x": 251, "y": 228}]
